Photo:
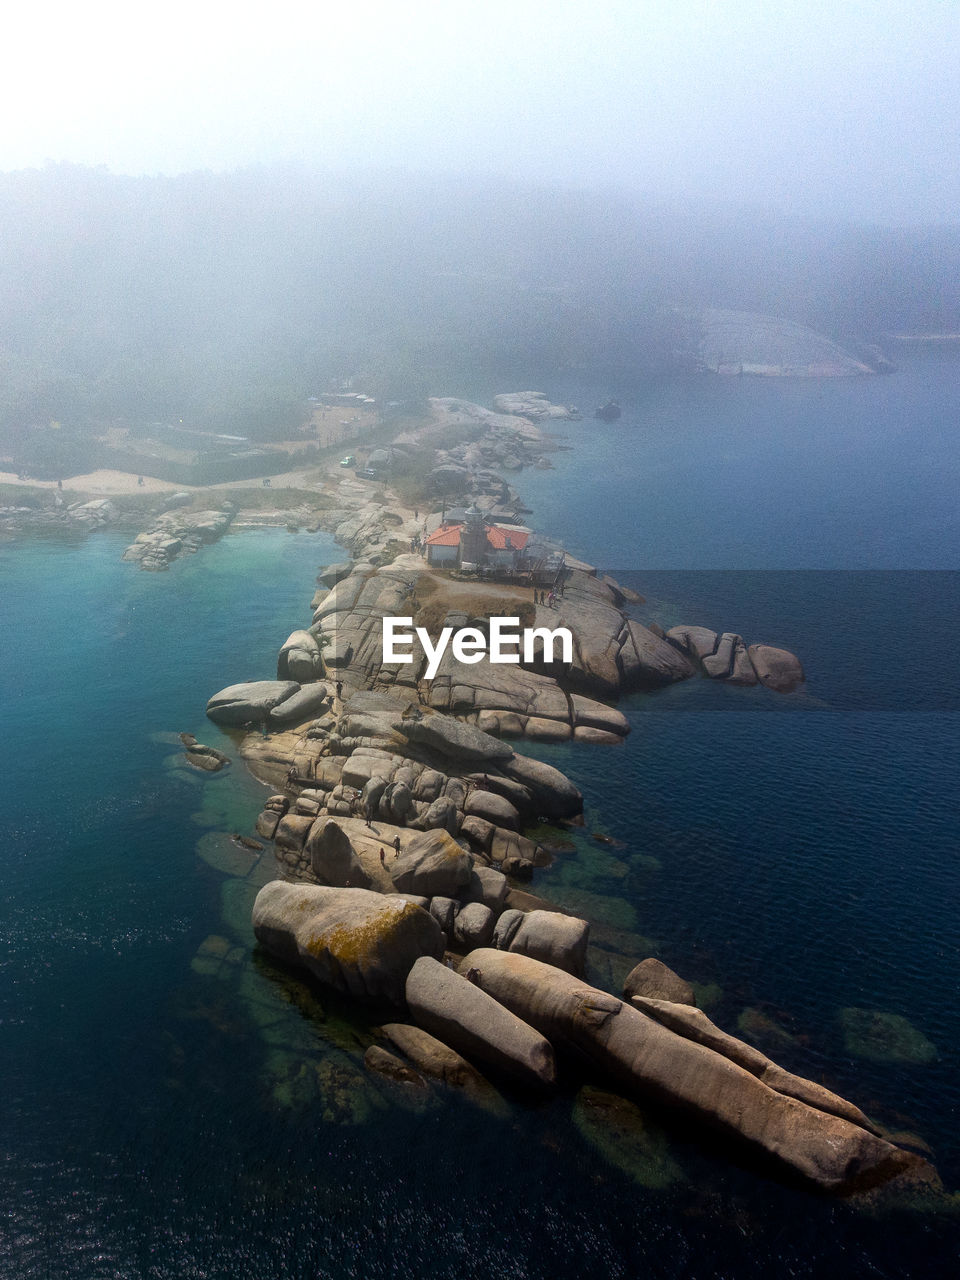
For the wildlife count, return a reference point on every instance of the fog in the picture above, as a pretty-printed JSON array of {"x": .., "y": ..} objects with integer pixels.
[
  {"x": 823, "y": 110},
  {"x": 209, "y": 211}
]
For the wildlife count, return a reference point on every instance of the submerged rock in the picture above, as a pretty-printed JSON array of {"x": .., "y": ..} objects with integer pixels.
[
  {"x": 384, "y": 1063},
  {"x": 625, "y": 1136},
  {"x": 207, "y": 758},
  {"x": 884, "y": 1037},
  {"x": 438, "y": 1061},
  {"x": 759, "y": 1026}
]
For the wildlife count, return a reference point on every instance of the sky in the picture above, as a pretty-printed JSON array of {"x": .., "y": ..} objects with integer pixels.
[{"x": 849, "y": 109}]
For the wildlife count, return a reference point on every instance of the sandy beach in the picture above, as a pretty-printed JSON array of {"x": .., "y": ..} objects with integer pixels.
[{"x": 104, "y": 484}]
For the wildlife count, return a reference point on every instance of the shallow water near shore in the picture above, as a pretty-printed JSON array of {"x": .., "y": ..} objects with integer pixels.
[{"x": 176, "y": 1108}]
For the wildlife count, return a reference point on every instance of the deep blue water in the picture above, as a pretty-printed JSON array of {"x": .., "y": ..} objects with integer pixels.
[
  {"x": 752, "y": 473},
  {"x": 173, "y": 1107}
]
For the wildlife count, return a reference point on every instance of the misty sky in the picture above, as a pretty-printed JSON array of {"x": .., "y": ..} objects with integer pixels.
[{"x": 849, "y": 108}]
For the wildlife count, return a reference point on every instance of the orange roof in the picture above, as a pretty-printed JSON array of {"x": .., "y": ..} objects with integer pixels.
[
  {"x": 497, "y": 537},
  {"x": 448, "y": 535}
]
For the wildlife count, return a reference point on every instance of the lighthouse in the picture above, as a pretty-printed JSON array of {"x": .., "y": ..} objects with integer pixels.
[{"x": 473, "y": 540}]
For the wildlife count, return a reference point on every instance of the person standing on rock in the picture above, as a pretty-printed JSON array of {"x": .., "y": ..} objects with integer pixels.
[
  {"x": 339, "y": 690},
  {"x": 369, "y": 810},
  {"x": 383, "y": 857},
  {"x": 396, "y": 847}
]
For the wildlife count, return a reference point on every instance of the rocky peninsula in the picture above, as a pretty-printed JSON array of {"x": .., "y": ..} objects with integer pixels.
[
  {"x": 407, "y": 822},
  {"x": 407, "y": 825}
]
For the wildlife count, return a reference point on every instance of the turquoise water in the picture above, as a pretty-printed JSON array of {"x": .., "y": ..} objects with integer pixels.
[{"x": 175, "y": 1107}]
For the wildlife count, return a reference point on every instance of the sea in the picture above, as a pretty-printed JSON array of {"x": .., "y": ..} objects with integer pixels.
[{"x": 174, "y": 1105}]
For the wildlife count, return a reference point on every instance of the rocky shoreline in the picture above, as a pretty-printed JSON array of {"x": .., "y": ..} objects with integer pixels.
[
  {"x": 57, "y": 516},
  {"x": 406, "y": 826},
  {"x": 399, "y": 820}
]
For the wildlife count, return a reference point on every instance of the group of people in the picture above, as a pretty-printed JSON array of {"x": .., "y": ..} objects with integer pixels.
[
  {"x": 549, "y": 598},
  {"x": 396, "y": 851}
]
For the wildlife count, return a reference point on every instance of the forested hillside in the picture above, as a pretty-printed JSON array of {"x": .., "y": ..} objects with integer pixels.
[{"x": 226, "y": 299}]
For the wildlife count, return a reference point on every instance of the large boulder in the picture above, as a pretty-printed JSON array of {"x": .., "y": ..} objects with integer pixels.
[
  {"x": 553, "y": 793},
  {"x": 488, "y": 886},
  {"x": 741, "y": 670},
  {"x": 303, "y": 705},
  {"x": 300, "y": 659},
  {"x": 333, "y": 858},
  {"x": 472, "y": 1022},
  {"x": 334, "y": 573},
  {"x": 695, "y": 1025},
  {"x": 444, "y": 911},
  {"x": 778, "y": 669},
  {"x": 648, "y": 660},
  {"x": 243, "y": 704},
  {"x": 588, "y": 714},
  {"x": 559, "y": 940},
  {"x": 655, "y": 1062},
  {"x": 719, "y": 664},
  {"x": 450, "y": 737},
  {"x": 508, "y": 922},
  {"x": 292, "y": 831},
  {"x": 695, "y": 642},
  {"x": 493, "y": 809},
  {"x": 359, "y": 942},
  {"x": 473, "y": 926},
  {"x": 432, "y": 863},
  {"x": 654, "y": 979},
  {"x": 443, "y": 815}
]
